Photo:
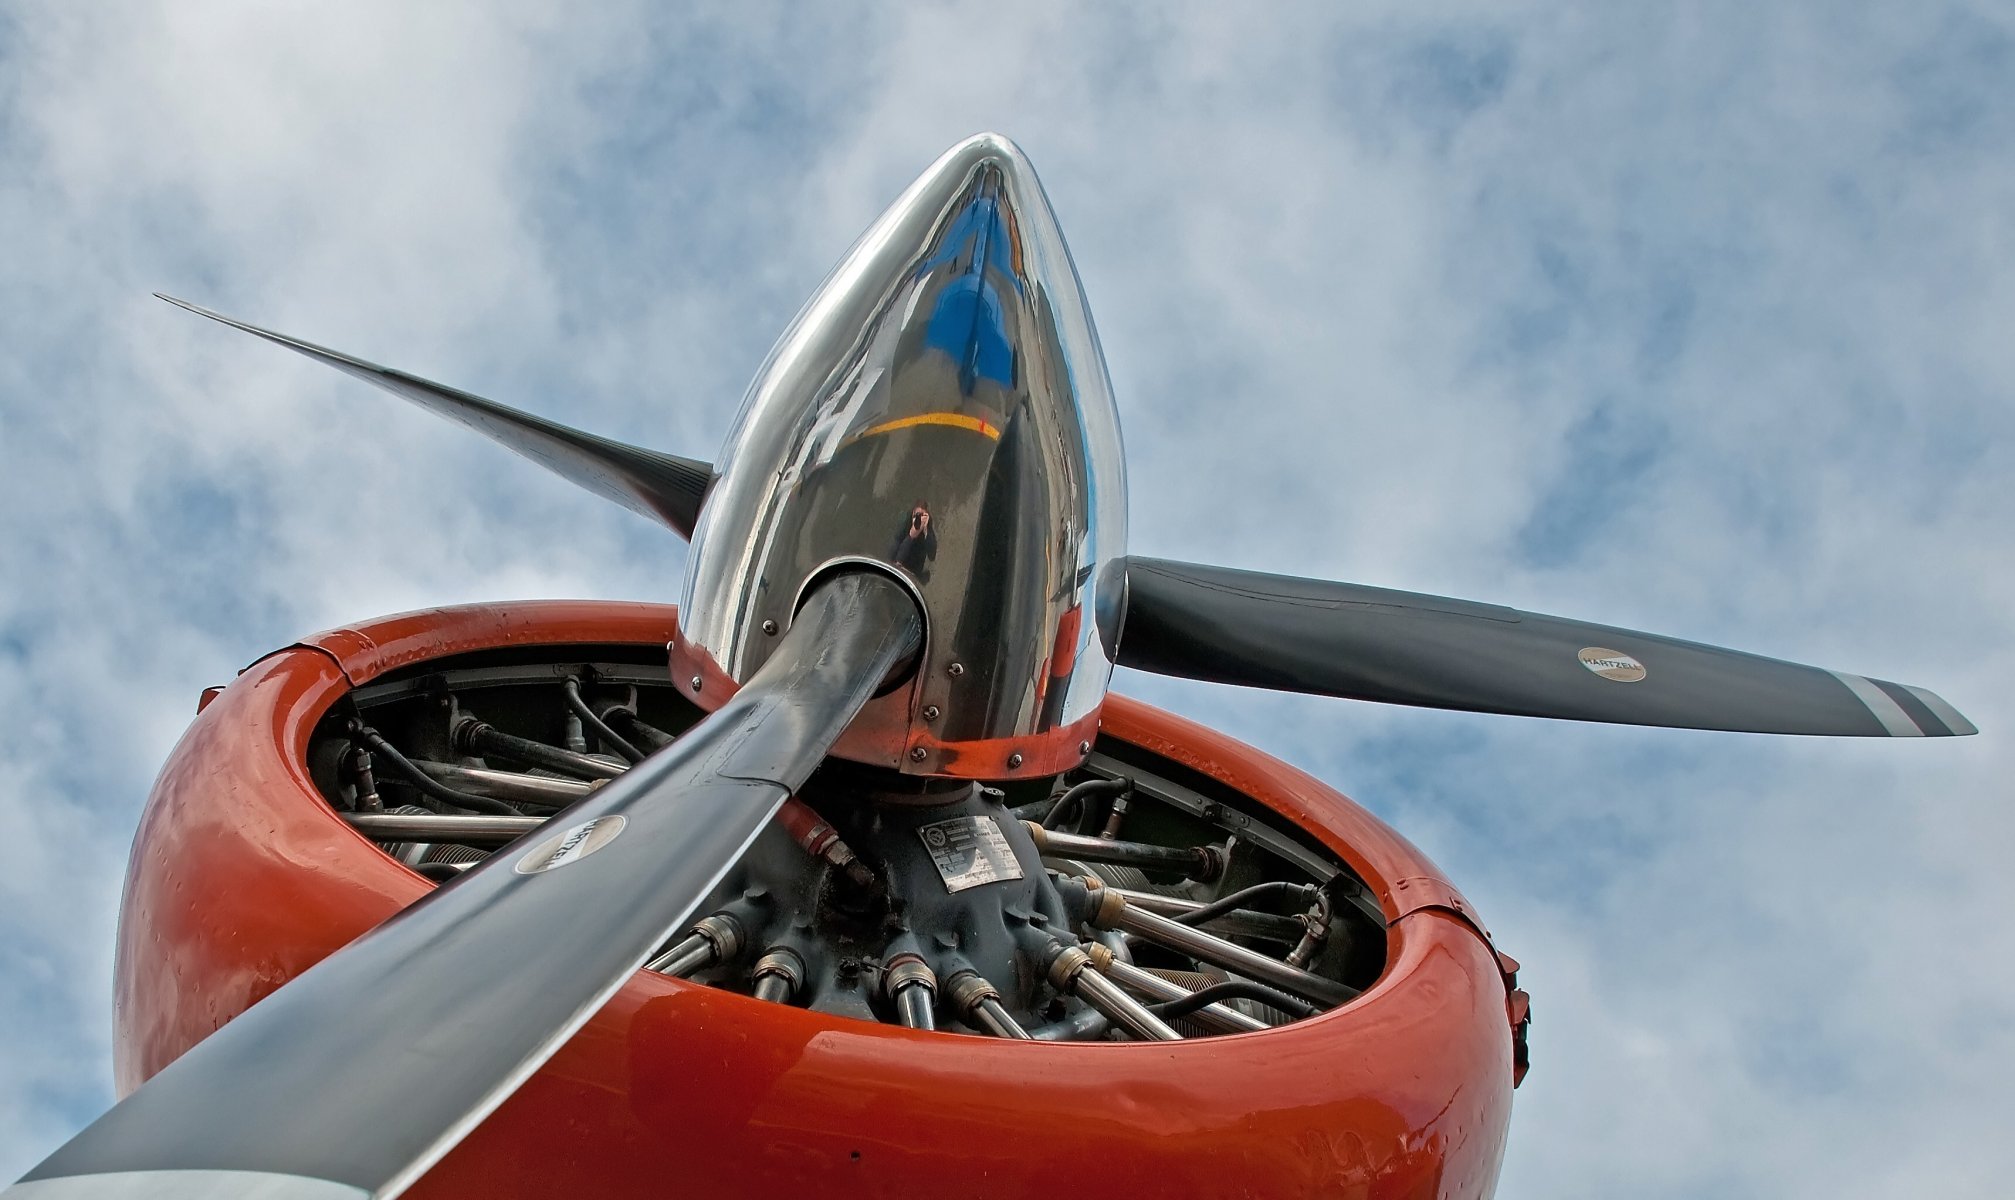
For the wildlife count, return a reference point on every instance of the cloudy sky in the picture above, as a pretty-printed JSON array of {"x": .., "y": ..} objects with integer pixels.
[{"x": 1687, "y": 318}]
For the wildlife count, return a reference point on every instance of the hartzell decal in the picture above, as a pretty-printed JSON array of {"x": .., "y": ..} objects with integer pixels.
[
  {"x": 1611, "y": 664},
  {"x": 572, "y": 846}
]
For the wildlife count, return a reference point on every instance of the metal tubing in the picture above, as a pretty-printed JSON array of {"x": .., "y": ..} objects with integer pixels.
[
  {"x": 713, "y": 939},
  {"x": 1225, "y": 904},
  {"x": 1212, "y": 949},
  {"x": 1104, "y": 995},
  {"x": 989, "y": 1015},
  {"x": 419, "y": 779},
  {"x": 475, "y": 828},
  {"x": 913, "y": 1007},
  {"x": 508, "y": 785},
  {"x": 795, "y": 815},
  {"x": 482, "y": 738},
  {"x": 1242, "y": 922},
  {"x": 690, "y": 954},
  {"x": 1213, "y": 1016},
  {"x": 1197, "y": 862}
]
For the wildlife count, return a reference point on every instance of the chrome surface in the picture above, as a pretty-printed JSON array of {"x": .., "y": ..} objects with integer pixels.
[{"x": 940, "y": 406}]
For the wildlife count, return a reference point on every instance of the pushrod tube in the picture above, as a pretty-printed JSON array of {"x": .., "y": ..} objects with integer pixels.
[
  {"x": 1197, "y": 862},
  {"x": 1130, "y": 1014},
  {"x": 989, "y": 1015},
  {"x": 507, "y": 785},
  {"x": 480, "y": 829},
  {"x": 1242, "y": 922},
  {"x": 1232, "y": 957}
]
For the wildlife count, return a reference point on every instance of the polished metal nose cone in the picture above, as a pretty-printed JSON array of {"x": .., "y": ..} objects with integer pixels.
[{"x": 939, "y": 410}]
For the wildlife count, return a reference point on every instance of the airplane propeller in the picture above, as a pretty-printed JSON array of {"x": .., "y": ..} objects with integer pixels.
[
  {"x": 1367, "y": 643},
  {"x": 1309, "y": 635},
  {"x": 487, "y": 976},
  {"x": 663, "y": 487}
]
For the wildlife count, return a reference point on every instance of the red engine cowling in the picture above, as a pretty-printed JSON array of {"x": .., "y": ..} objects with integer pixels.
[{"x": 242, "y": 877}]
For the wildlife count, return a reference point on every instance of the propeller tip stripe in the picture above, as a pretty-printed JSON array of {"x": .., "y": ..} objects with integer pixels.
[
  {"x": 1958, "y": 724},
  {"x": 1887, "y": 711}
]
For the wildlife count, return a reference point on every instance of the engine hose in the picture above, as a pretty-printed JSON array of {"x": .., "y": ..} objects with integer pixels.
[
  {"x": 425, "y": 783},
  {"x": 1079, "y": 793},
  {"x": 1238, "y": 899},
  {"x": 609, "y": 737},
  {"x": 1233, "y": 989}
]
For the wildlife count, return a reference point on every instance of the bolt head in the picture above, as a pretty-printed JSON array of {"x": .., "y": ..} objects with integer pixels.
[
  {"x": 770, "y": 627},
  {"x": 1084, "y": 747},
  {"x": 956, "y": 670},
  {"x": 696, "y": 683},
  {"x": 918, "y": 754},
  {"x": 1014, "y": 760},
  {"x": 930, "y": 712}
]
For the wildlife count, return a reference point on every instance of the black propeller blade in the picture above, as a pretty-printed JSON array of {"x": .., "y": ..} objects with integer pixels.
[
  {"x": 663, "y": 487},
  {"x": 359, "y": 1074},
  {"x": 1366, "y": 643}
]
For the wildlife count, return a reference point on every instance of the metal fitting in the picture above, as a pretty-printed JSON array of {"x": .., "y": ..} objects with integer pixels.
[
  {"x": 1114, "y": 819},
  {"x": 710, "y": 941},
  {"x": 723, "y": 933},
  {"x": 965, "y": 991},
  {"x": 907, "y": 970},
  {"x": 779, "y": 973},
  {"x": 1107, "y": 905},
  {"x": 912, "y": 987},
  {"x": 1065, "y": 966}
]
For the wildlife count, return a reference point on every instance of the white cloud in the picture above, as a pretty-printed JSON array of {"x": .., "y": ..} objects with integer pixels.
[{"x": 1688, "y": 321}]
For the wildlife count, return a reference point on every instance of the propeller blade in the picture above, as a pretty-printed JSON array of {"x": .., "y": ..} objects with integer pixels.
[
  {"x": 1366, "y": 643},
  {"x": 355, "y": 1077},
  {"x": 663, "y": 487}
]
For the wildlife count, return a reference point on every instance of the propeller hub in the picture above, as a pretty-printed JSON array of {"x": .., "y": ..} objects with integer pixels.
[{"x": 940, "y": 408}]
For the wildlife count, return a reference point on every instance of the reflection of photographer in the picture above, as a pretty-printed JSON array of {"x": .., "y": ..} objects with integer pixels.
[{"x": 917, "y": 544}]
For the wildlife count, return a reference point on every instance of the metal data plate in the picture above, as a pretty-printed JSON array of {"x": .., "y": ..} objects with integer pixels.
[{"x": 969, "y": 851}]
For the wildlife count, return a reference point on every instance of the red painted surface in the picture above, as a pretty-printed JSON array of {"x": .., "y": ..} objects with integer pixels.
[{"x": 241, "y": 878}]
